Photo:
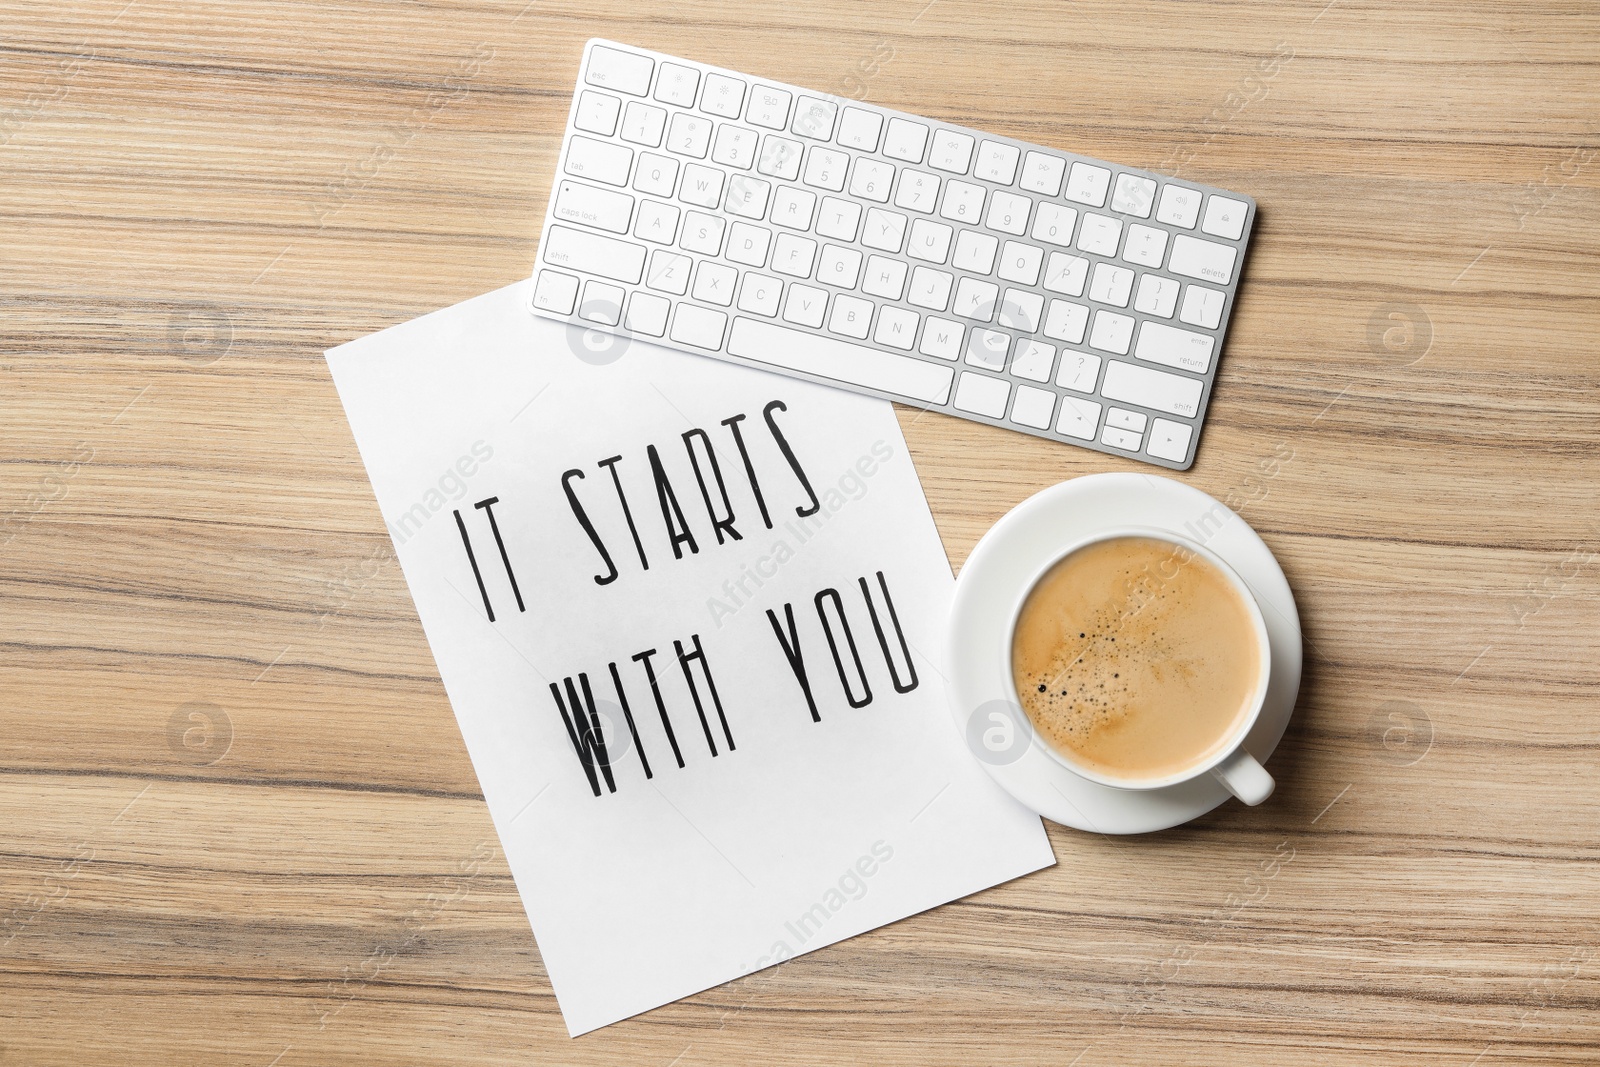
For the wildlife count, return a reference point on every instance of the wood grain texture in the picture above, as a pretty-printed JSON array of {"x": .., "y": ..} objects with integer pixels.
[{"x": 197, "y": 199}]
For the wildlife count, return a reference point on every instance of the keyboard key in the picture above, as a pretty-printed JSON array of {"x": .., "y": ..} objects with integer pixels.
[
  {"x": 702, "y": 186},
  {"x": 976, "y": 299},
  {"x": 793, "y": 255},
  {"x": 885, "y": 230},
  {"x": 1066, "y": 274},
  {"x": 814, "y": 118},
  {"x": 885, "y": 277},
  {"x": 859, "y": 129},
  {"x": 942, "y": 339},
  {"x": 1111, "y": 285},
  {"x": 805, "y": 305},
  {"x": 1033, "y": 361},
  {"x": 963, "y": 202},
  {"x": 723, "y": 96},
  {"x": 1078, "y": 418},
  {"x": 601, "y": 208},
  {"x": 702, "y": 233},
  {"x": 852, "y": 316},
  {"x": 1201, "y": 306},
  {"x": 643, "y": 124},
  {"x": 599, "y": 161},
  {"x": 1111, "y": 332},
  {"x": 1042, "y": 173},
  {"x": 748, "y": 244},
  {"x": 793, "y": 207},
  {"x": 690, "y": 135},
  {"x": 987, "y": 348},
  {"x": 735, "y": 146},
  {"x": 917, "y": 191},
  {"x": 982, "y": 395},
  {"x": 655, "y": 174},
  {"x": 698, "y": 326},
  {"x": 842, "y": 361},
  {"x": 591, "y": 253},
  {"x": 1008, "y": 213},
  {"x": 1152, "y": 389},
  {"x": 839, "y": 266},
  {"x": 897, "y": 327},
  {"x": 997, "y": 162},
  {"x": 1224, "y": 217},
  {"x": 1066, "y": 321},
  {"x": 1206, "y": 260},
  {"x": 951, "y": 151},
  {"x": 1021, "y": 310},
  {"x": 975, "y": 251},
  {"x": 1172, "y": 347},
  {"x": 1020, "y": 262},
  {"x": 930, "y": 288},
  {"x": 714, "y": 283},
  {"x": 1127, "y": 420},
  {"x": 1145, "y": 246},
  {"x": 1124, "y": 439},
  {"x": 1134, "y": 195},
  {"x": 747, "y": 196},
  {"x": 647, "y": 313},
  {"x": 676, "y": 84},
  {"x": 780, "y": 158},
  {"x": 1157, "y": 296},
  {"x": 769, "y": 107},
  {"x": 1087, "y": 184},
  {"x": 826, "y": 168},
  {"x": 624, "y": 72},
  {"x": 1079, "y": 372},
  {"x": 759, "y": 294},
  {"x": 1054, "y": 223},
  {"x": 839, "y": 219},
  {"x": 1033, "y": 407},
  {"x": 1179, "y": 206},
  {"x": 930, "y": 241},
  {"x": 872, "y": 179},
  {"x": 905, "y": 140},
  {"x": 1099, "y": 234},
  {"x": 597, "y": 113},
  {"x": 669, "y": 272},
  {"x": 657, "y": 223},
  {"x": 1169, "y": 440},
  {"x": 555, "y": 292}
]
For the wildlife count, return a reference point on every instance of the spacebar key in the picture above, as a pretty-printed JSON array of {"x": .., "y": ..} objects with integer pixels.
[{"x": 841, "y": 361}]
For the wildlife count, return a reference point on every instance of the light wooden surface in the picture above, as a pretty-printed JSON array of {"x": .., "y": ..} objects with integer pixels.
[{"x": 196, "y": 199}]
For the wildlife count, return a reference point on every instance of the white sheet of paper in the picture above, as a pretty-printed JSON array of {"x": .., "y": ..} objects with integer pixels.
[{"x": 804, "y": 830}]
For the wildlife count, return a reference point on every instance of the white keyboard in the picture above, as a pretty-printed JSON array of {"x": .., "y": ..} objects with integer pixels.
[{"x": 917, "y": 260}]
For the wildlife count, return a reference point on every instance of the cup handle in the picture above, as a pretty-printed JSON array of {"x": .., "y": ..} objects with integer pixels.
[{"x": 1245, "y": 778}]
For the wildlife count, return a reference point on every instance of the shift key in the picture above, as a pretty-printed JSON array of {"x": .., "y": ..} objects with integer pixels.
[
  {"x": 593, "y": 254},
  {"x": 1153, "y": 389}
]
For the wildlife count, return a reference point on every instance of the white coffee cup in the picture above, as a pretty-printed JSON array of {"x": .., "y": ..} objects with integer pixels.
[{"x": 1238, "y": 771}]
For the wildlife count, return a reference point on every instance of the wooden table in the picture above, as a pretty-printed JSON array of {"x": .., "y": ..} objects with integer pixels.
[{"x": 237, "y": 823}]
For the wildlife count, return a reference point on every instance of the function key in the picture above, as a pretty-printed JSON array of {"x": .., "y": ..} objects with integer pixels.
[
  {"x": 906, "y": 140},
  {"x": 1224, "y": 217},
  {"x": 624, "y": 72},
  {"x": 997, "y": 162},
  {"x": 1043, "y": 173},
  {"x": 859, "y": 129},
  {"x": 769, "y": 107},
  {"x": 1134, "y": 195},
  {"x": 676, "y": 84},
  {"x": 951, "y": 151},
  {"x": 1087, "y": 184},
  {"x": 1179, "y": 206},
  {"x": 814, "y": 118},
  {"x": 723, "y": 96}
]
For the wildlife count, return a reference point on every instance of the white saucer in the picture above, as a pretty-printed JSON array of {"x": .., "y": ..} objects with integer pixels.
[{"x": 993, "y": 581}]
